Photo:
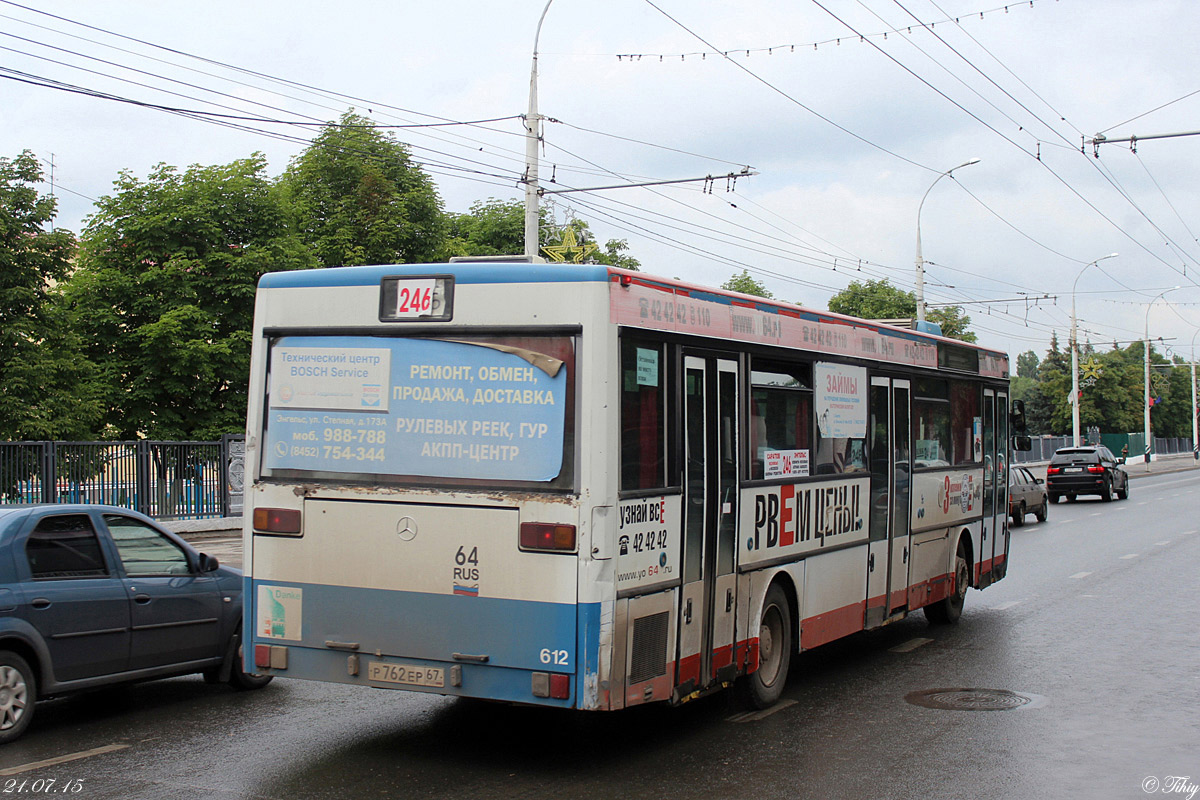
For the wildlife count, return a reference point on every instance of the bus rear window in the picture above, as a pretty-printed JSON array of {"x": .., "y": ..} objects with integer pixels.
[{"x": 495, "y": 409}]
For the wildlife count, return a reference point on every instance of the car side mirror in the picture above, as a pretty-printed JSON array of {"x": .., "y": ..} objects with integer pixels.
[
  {"x": 1039, "y": 480},
  {"x": 208, "y": 563},
  {"x": 1022, "y": 443}
]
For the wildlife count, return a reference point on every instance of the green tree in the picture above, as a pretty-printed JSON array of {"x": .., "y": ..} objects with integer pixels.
[
  {"x": 491, "y": 228},
  {"x": 746, "y": 284},
  {"x": 359, "y": 198},
  {"x": 878, "y": 299},
  {"x": 1027, "y": 364},
  {"x": 497, "y": 227},
  {"x": 46, "y": 387},
  {"x": 164, "y": 294}
]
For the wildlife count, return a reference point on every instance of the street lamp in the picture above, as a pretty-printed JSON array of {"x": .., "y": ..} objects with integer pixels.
[
  {"x": 1146, "y": 355},
  {"x": 1075, "y": 355},
  {"x": 920, "y": 260}
]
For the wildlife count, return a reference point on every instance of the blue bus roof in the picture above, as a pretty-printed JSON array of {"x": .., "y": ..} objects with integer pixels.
[{"x": 464, "y": 273}]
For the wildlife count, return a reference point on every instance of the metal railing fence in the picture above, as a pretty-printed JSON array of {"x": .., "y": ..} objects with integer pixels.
[
  {"x": 165, "y": 480},
  {"x": 1044, "y": 447}
]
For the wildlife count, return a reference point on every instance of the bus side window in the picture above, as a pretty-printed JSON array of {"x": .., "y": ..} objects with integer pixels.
[
  {"x": 780, "y": 420},
  {"x": 643, "y": 417}
]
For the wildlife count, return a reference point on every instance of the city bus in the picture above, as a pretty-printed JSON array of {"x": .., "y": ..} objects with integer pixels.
[{"x": 585, "y": 487}]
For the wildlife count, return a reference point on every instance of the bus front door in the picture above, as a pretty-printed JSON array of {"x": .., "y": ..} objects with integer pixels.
[{"x": 707, "y": 600}]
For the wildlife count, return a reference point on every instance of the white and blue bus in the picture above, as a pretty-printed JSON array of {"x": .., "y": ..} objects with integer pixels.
[{"x": 584, "y": 487}]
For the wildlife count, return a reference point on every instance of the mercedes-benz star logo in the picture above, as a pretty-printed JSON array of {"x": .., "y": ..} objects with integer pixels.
[{"x": 406, "y": 528}]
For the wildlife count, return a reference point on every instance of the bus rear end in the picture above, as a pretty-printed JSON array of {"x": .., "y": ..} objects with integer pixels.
[{"x": 413, "y": 520}]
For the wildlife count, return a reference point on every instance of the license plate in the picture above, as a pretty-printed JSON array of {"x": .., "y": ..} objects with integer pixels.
[
  {"x": 406, "y": 674},
  {"x": 1073, "y": 469}
]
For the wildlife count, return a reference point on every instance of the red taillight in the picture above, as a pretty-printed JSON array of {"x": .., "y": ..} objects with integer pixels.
[
  {"x": 1053, "y": 470},
  {"x": 262, "y": 655},
  {"x": 560, "y": 686},
  {"x": 1095, "y": 468},
  {"x": 277, "y": 520},
  {"x": 547, "y": 536}
]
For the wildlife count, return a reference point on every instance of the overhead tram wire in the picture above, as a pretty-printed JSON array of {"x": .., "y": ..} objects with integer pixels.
[
  {"x": 1147, "y": 113},
  {"x": 1061, "y": 116},
  {"x": 778, "y": 91},
  {"x": 303, "y": 87},
  {"x": 1044, "y": 165},
  {"x": 515, "y": 156},
  {"x": 431, "y": 166},
  {"x": 191, "y": 113}
]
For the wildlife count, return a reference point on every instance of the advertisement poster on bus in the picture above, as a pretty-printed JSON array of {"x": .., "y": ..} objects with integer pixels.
[
  {"x": 647, "y": 541},
  {"x": 841, "y": 400},
  {"x": 369, "y": 405}
]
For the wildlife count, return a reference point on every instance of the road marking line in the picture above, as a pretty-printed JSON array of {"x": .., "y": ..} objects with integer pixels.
[
  {"x": 50, "y": 762},
  {"x": 1006, "y": 606},
  {"x": 910, "y": 645},
  {"x": 1095, "y": 514},
  {"x": 1131, "y": 555},
  {"x": 754, "y": 716},
  {"x": 1163, "y": 544},
  {"x": 1144, "y": 502},
  {"x": 1080, "y": 576},
  {"x": 1188, "y": 533}
]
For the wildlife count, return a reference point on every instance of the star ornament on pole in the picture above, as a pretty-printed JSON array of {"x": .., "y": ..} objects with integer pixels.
[
  {"x": 1091, "y": 371},
  {"x": 570, "y": 250}
]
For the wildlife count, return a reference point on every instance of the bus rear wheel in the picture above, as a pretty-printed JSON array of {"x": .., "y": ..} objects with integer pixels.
[
  {"x": 763, "y": 687},
  {"x": 949, "y": 609}
]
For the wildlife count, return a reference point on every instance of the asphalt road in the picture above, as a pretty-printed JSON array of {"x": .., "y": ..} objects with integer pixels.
[{"x": 1093, "y": 629}]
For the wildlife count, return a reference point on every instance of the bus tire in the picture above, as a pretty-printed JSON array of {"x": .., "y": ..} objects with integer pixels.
[
  {"x": 763, "y": 687},
  {"x": 947, "y": 610},
  {"x": 239, "y": 679}
]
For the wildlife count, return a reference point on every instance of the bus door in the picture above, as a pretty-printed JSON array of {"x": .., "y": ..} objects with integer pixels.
[
  {"x": 995, "y": 483},
  {"x": 707, "y": 600},
  {"x": 891, "y": 482}
]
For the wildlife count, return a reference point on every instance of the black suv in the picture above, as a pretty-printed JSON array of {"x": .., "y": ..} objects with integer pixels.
[{"x": 1086, "y": 470}]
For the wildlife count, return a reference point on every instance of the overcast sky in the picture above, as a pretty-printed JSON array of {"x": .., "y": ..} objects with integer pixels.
[{"x": 846, "y": 137}]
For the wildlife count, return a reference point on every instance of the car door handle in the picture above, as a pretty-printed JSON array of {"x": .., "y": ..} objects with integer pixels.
[
  {"x": 40, "y": 602},
  {"x": 142, "y": 598}
]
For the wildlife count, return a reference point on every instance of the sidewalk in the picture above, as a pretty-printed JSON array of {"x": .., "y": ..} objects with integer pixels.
[{"x": 194, "y": 530}]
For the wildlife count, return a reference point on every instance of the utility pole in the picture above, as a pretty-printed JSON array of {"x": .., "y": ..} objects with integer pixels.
[{"x": 533, "y": 123}]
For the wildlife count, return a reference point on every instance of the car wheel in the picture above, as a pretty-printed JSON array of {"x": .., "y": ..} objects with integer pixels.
[
  {"x": 949, "y": 609},
  {"x": 1106, "y": 492},
  {"x": 18, "y": 691},
  {"x": 1043, "y": 510},
  {"x": 1018, "y": 516},
  {"x": 242, "y": 680},
  {"x": 763, "y": 687},
  {"x": 1123, "y": 492}
]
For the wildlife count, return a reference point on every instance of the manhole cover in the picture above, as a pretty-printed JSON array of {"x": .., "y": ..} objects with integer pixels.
[{"x": 971, "y": 699}]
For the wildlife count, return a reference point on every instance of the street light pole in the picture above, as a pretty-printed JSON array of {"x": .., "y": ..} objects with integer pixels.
[
  {"x": 920, "y": 260},
  {"x": 1146, "y": 357},
  {"x": 1075, "y": 355},
  {"x": 1195, "y": 407},
  {"x": 532, "y": 126}
]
